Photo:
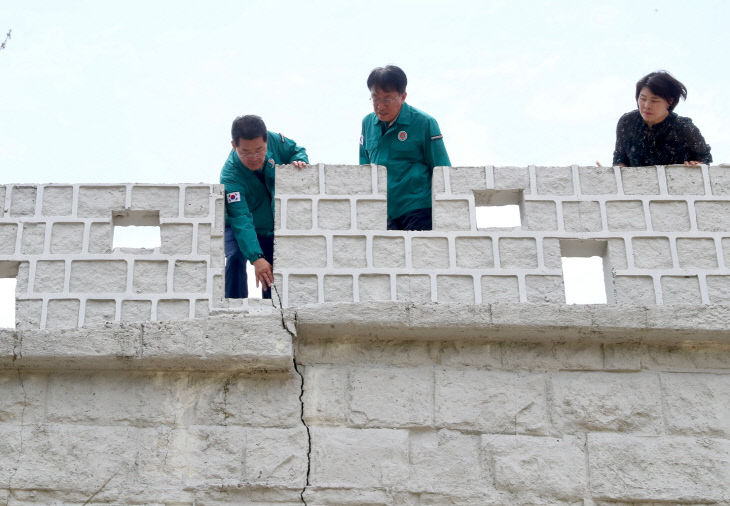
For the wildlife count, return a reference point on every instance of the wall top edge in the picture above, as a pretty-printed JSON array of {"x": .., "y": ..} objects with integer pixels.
[
  {"x": 92, "y": 183},
  {"x": 723, "y": 165},
  {"x": 222, "y": 343},
  {"x": 234, "y": 341},
  {"x": 518, "y": 322}
]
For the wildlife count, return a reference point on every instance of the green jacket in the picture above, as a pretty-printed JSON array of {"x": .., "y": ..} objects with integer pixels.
[
  {"x": 249, "y": 201},
  {"x": 410, "y": 148}
]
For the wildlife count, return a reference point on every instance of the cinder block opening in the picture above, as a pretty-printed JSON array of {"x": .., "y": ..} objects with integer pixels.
[
  {"x": 498, "y": 208},
  {"x": 586, "y": 272},
  {"x": 137, "y": 230},
  {"x": 8, "y": 280},
  {"x": 253, "y": 292}
]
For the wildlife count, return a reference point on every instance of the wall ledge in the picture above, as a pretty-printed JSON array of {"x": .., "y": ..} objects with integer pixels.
[
  {"x": 518, "y": 322},
  {"x": 217, "y": 343},
  {"x": 256, "y": 342}
]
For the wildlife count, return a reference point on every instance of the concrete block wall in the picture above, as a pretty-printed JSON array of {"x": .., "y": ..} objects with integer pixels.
[
  {"x": 57, "y": 240},
  {"x": 198, "y": 411},
  {"x": 663, "y": 233},
  {"x": 489, "y": 423},
  {"x": 372, "y": 404}
]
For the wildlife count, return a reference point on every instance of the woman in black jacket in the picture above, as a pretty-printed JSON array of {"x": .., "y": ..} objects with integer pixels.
[{"x": 653, "y": 134}]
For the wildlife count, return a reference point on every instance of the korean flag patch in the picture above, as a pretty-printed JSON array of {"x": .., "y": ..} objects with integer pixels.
[{"x": 233, "y": 197}]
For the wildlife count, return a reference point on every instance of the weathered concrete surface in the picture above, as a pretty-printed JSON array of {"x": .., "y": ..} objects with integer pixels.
[
  {"x": 225, "y": 342},
  {"x": 503, "y": 408},
  {"x": 475, "y": 421},
  {"x": 659, "y": 469},
  {"x": 678, "y": 324}
]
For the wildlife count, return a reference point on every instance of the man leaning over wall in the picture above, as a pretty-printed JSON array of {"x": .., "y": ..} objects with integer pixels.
[{"x": 249, "y": 178}]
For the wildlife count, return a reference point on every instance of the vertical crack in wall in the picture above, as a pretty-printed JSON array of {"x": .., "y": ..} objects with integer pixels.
[
  {"x": 226, "y": 388},
  {"x": 17, "y": 346},
  {"x": 301, "y": 392},
  {"x": 22, "y": 427}
]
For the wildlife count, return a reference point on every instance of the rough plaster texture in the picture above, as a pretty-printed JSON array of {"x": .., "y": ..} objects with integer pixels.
[{"x": 372, "y": 403}]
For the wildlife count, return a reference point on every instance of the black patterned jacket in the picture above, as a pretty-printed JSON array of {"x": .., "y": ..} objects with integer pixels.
[{"x": 673, "y": 141}]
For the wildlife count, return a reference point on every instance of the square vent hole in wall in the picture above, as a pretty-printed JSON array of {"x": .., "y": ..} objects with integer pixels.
[
  {"x": 136, "y": 231},
  {"x": 8, "y": 278},
  {"x": 586, "y": 272},
  {"x": 498, "y": 208}
]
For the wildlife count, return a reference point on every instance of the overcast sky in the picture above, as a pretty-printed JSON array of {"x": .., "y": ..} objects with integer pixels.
[
  {"x": 134, "y": 91},
  {"x": 145, "y": 91}
]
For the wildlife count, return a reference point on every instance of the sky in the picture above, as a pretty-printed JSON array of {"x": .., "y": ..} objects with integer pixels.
[{"x": 145, "y": 91}]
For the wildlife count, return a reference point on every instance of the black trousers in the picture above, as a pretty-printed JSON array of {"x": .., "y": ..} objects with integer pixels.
[{"x": 236, "y": 279}]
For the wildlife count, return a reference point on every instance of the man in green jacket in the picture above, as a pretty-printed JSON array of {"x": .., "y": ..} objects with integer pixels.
[
  {"x": 249, "y": 177},
  {"x": 408, "y": 143}
]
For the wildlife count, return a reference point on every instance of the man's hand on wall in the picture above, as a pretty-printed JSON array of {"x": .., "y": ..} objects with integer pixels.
[
  {"x": 298, "y": 164},
  {"x": 264, "y": 273}
]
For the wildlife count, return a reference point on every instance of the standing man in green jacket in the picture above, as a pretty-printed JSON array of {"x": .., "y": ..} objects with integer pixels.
[
  {"x": 408, "y": 142},
  {"x": 249, "y": 176}
]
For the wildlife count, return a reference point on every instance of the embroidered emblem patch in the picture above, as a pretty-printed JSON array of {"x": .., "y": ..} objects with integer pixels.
[
  {"x": 402, "y": 135},
  {"x": 271, "y": 162},
  {"x": 233, "y": 197}
]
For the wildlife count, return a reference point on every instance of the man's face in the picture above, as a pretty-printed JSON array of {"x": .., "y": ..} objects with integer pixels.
[
  {"x": 251, "y": 152},
  {"x": 386, "y": 104}
]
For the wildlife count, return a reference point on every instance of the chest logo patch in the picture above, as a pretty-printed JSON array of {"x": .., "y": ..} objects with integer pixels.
[
  {"x": 233, "y": 197},
  {"x": 402, "y": 135},
  {"x": 271, "y": 162}
]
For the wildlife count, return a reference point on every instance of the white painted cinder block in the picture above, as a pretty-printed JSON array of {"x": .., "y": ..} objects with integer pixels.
[
  {"x": 663, "y": 232},
  {"x": 69, "y": 275},
  {"x": 659, "y": 228}
]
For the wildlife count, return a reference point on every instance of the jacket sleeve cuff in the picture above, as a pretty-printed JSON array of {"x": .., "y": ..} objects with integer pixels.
[{"x": 255, "y": 256}]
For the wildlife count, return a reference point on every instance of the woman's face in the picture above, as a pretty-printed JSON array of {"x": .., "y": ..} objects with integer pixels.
[{"x": 653, "y": 108}]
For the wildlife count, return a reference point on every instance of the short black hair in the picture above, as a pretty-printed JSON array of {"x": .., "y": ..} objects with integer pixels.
[
  {"x": 248, "y": 127},
  {"x": 663, "y": 84},
  {"x": 388, "y": 78}
]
